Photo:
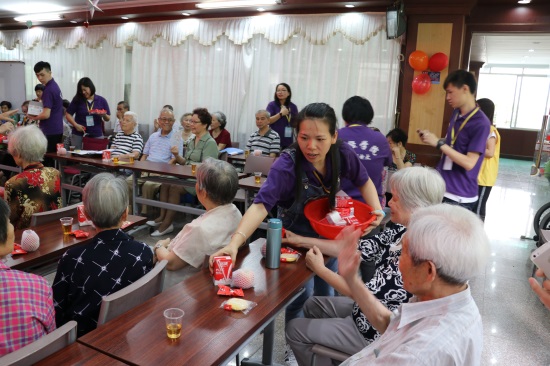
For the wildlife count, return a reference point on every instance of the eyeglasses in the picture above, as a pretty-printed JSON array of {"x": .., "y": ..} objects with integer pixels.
[
  {"x": 120, "y": 109},
  {"x": 163, "y": 119},
  {"x": 196, "y": 122}
]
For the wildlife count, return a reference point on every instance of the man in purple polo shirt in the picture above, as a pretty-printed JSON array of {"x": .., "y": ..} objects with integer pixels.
[
  {"x": 463, "y": 148},
  {"x": 51, "y": 118}
]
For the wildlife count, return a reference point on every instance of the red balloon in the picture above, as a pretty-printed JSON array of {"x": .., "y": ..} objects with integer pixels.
[
  {"x": 421, "y": 84},
  {"x": 438, "y": 61},
  {"x": 418, "y": 60}
]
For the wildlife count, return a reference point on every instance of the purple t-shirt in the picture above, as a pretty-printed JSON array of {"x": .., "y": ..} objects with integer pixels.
[
  {"x": 472, "y": 138},
  {"x": 283, "y": 122},
  {"x": 279, "y": 188},
  {"x": 79, "y": 108},
  {"x": 52, "y": 99},
  {"x": 373, "y": 150}
]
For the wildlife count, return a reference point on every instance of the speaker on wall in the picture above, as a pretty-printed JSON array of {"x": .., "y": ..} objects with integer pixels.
[{"x": 396, "y": 22}]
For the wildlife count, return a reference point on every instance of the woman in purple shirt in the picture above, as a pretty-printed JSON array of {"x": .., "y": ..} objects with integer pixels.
[
  {"x": 84, "y": 106},
  {"x": 283, "y": 114}
]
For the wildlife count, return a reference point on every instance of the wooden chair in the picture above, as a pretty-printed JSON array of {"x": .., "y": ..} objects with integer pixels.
[
  {"x": 331, "y": 353},
  {"x": 43, "y": 347},
  {"x": 132, "y": 295},
  {"x": 235, "y": 144},
  {"x": 40, "y": 218}
]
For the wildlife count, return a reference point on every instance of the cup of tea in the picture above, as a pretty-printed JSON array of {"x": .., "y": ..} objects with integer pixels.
[
  {"x": 246, "y": 153},
  {"x": 131, "y": 159},
  {"x": 71, "y": 148},
  {"x": 66, "y": 224},
  {"x": 174, "y": 320},
  {"x": 257, "y": 177},
  {"x": 115, "y": 159},
  {"x": 193, "y": 168}
]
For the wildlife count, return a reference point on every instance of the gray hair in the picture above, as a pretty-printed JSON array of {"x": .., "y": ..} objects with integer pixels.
[
  {"x": 134, "y": 118},
  {"x": 105, "y": 200},
  {"x": 418, "y": 187},
  {"x": 169, "y": 111},
  {"x": 219, "y": 179},
  {"x": 28, "y": 143},
  {"x": 450, "y": 236},
  {"x": 263, "y": 111},
  {"x": 222, "y": 119}
]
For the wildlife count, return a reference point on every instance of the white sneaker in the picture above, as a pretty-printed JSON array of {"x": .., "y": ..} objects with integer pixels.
[
  {"x": 168, "y": 230},
  {"x": 290, "y": 359}
]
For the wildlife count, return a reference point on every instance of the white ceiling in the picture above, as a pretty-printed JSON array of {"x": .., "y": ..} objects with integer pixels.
[{"x": 511, "y": 49}]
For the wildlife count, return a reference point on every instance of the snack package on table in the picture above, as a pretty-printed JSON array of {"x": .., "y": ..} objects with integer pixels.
[
  {"x": 17, "y": 249},
  {"x": 223, "y": 266},
  {"x": 82, "y": 220},
  {"x": 287, "y": 254},
  {"x": 80, "y": 234},
  {"x": 235, "y": 304},
  {"x": 228, "y": 291}
]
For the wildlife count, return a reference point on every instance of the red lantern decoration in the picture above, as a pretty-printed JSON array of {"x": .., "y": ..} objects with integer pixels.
[
  {"x": 438, "y": 61},
  {"x": 421, "y": 84},
  {"x": 418, "y": 60}
]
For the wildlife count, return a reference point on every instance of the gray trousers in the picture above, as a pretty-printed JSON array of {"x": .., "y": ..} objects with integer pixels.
[{"x": 327, "y": 322}]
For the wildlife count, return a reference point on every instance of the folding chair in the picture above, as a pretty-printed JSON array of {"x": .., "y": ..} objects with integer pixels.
[{"x": 40, "y": 218}]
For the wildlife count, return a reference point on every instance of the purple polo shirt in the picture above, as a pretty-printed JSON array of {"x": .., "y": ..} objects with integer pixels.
[
  {"x": 279, "y": 188},
  {"x": 472, "y": 138},
  {"x": 280, "y": 124},
  {"x": 52, "y": 99},
  {"x": 79, "y": 108},
  {"x": 373, "y": 150}
]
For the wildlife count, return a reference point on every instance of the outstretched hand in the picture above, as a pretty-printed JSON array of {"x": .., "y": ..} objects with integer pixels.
[
  {"x": 349, "y": 257},
  {"x": 543, "y": 292}
]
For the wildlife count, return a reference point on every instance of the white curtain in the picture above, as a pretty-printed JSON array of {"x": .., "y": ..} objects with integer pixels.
[{"x": 231, "y": 65}]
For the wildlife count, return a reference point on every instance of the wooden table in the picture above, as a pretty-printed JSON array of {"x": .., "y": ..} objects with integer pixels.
[
  {"x": 211, "y": 335},
  {"x": 250, "y": 186},
  {"x": 239, "y": 158},
  {"x": 53, "y": 243},
  {"x": 79, "y": 354}
]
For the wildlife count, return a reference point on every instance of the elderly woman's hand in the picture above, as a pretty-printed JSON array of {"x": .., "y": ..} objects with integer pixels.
[
  {"x": 349, "y": 257},
  {"x": 314, "y": 260},
  {"x": 543, "y": 292},
  {"x": 293, "y": 239},
  {"x": 396, "y": 153},
  {"x": 7, "y": 127},
  {"x": 6, "y": 115}
]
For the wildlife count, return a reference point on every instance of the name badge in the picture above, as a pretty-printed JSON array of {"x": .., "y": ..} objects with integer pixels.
[
  {"x": 288, "y": 131},
  {"x": 89, "y": 121},
  {"x": 447, "y": 163}
]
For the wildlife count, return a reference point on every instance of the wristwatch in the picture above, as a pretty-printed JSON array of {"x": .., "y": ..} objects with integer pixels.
[
  {"x": 157, "y": 245},
  {"x": 440, "y": 143}
]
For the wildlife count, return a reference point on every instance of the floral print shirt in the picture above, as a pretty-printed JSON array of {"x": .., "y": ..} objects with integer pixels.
[{"x": 35, "y": 189}]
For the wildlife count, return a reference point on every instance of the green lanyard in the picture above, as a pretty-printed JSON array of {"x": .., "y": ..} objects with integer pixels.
[{"x": 453, "y": 137}]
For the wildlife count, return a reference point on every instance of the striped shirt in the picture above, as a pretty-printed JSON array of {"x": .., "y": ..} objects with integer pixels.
[
  {"x": 26, "y": 309},
  {"x": 270, "y": 143},
  {"x": 125, "y": 144}
]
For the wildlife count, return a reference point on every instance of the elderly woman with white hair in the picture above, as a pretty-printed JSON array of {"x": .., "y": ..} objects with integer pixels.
[
  {"x": 128, "y": 143},
  {"x": 217, "y": 184},
  {"x": 338, "y": 322},
  {"x": 36, "y": 188},
  {"x": 110, "y": 262}
]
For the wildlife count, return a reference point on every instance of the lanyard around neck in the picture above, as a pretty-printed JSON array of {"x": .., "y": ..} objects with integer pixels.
[
  {"x": 321, "y": 181},
  {"x": 453, "y": 136},
  {"x": 89, "y": 105}
]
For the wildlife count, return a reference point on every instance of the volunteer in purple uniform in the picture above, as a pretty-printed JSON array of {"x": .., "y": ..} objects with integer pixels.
[
  {"x": 51, "y": 118},
  {"x": 283, "y": 114},
  {"x": 314, "y": 158},
  {"x": 463, "y": 148},
  {"x": 371, "y": 146},
  {"x": 83, "y": 104}
]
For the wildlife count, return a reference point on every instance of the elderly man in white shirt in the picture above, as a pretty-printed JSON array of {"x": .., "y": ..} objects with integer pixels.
[{"x": 444, "y": 246}]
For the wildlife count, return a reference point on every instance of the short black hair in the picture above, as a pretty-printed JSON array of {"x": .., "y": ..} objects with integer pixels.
[
  {"x": 459, "y": 78},
  {"x": 66, "y": 103},
  {"x": 125, "y": 104},
  {"x": 4, "y": 219},
  {"x": 397, "y": 135},
  {"x": 39, "y": 87},
  {"x": 5, "y": 103},
  {"x": 40, "y": 65},
  {"x": 357, "y": 110},
  {"x": 488, "y": 107}
]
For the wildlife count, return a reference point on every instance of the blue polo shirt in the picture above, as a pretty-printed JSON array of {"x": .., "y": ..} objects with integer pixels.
[{"x": 157, "y": 148}]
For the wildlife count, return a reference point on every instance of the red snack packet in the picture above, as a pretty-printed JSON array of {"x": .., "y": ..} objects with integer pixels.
[
  {"x": 82, "y": 220},
  {"x": 283, "y": 233},
  {"x": 343, "y": 201},
  {"x": 80, "y": 234},
  {"x": 223, "y": 266},
  {"x": 17, "y": 249},
  {"x": 228, "y": 291},
  {"x": 106, "y": 155},
  {"x": 351, "y": 220}
]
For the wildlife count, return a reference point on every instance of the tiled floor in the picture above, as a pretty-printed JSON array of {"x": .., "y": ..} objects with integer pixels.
[{"x": 517, "y": 325}]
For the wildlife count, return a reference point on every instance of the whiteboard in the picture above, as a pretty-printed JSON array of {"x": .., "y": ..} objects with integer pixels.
[{"x": 12, "y": 82}]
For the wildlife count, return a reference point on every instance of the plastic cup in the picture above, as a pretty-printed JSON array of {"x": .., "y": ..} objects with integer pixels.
[
  {"x": 131, "y": 159},
  {"x": 66, "y": 225},
  {"x": 257, "y": 177},
  {"x": 246, "y": 153},
  {"x": 193, "y": 168},
  {"x": 71, "y": 148},
  {"x": 174, "y": 320},
  {"x": 115, "y": 159}
]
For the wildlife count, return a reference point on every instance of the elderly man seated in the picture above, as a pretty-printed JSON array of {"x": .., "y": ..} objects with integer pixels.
[
  {"x": 157, "y": 149},
  {"x": 112, "y": 261},
  {"x": 36, "y": 188},
  {"x": 265, "y": 139},
  {"x": 217, "y": 184},
  {"x": 444, "y": 246},
  {"x": 128, "y": 142},
  {"x": 26, "y": 309}
]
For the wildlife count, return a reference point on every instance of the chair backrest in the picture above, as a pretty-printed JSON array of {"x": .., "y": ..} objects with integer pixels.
[
  {"x": 40, "y": 218},
  {"x": 132, "y": 295},
  {"x": 90, "y": 143},
  {"x": 258, "y": 164},
  {"x": 222, "y": 156},
  {"x": 235, "y": 144},
  {"x": 43, "y": 347}
]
